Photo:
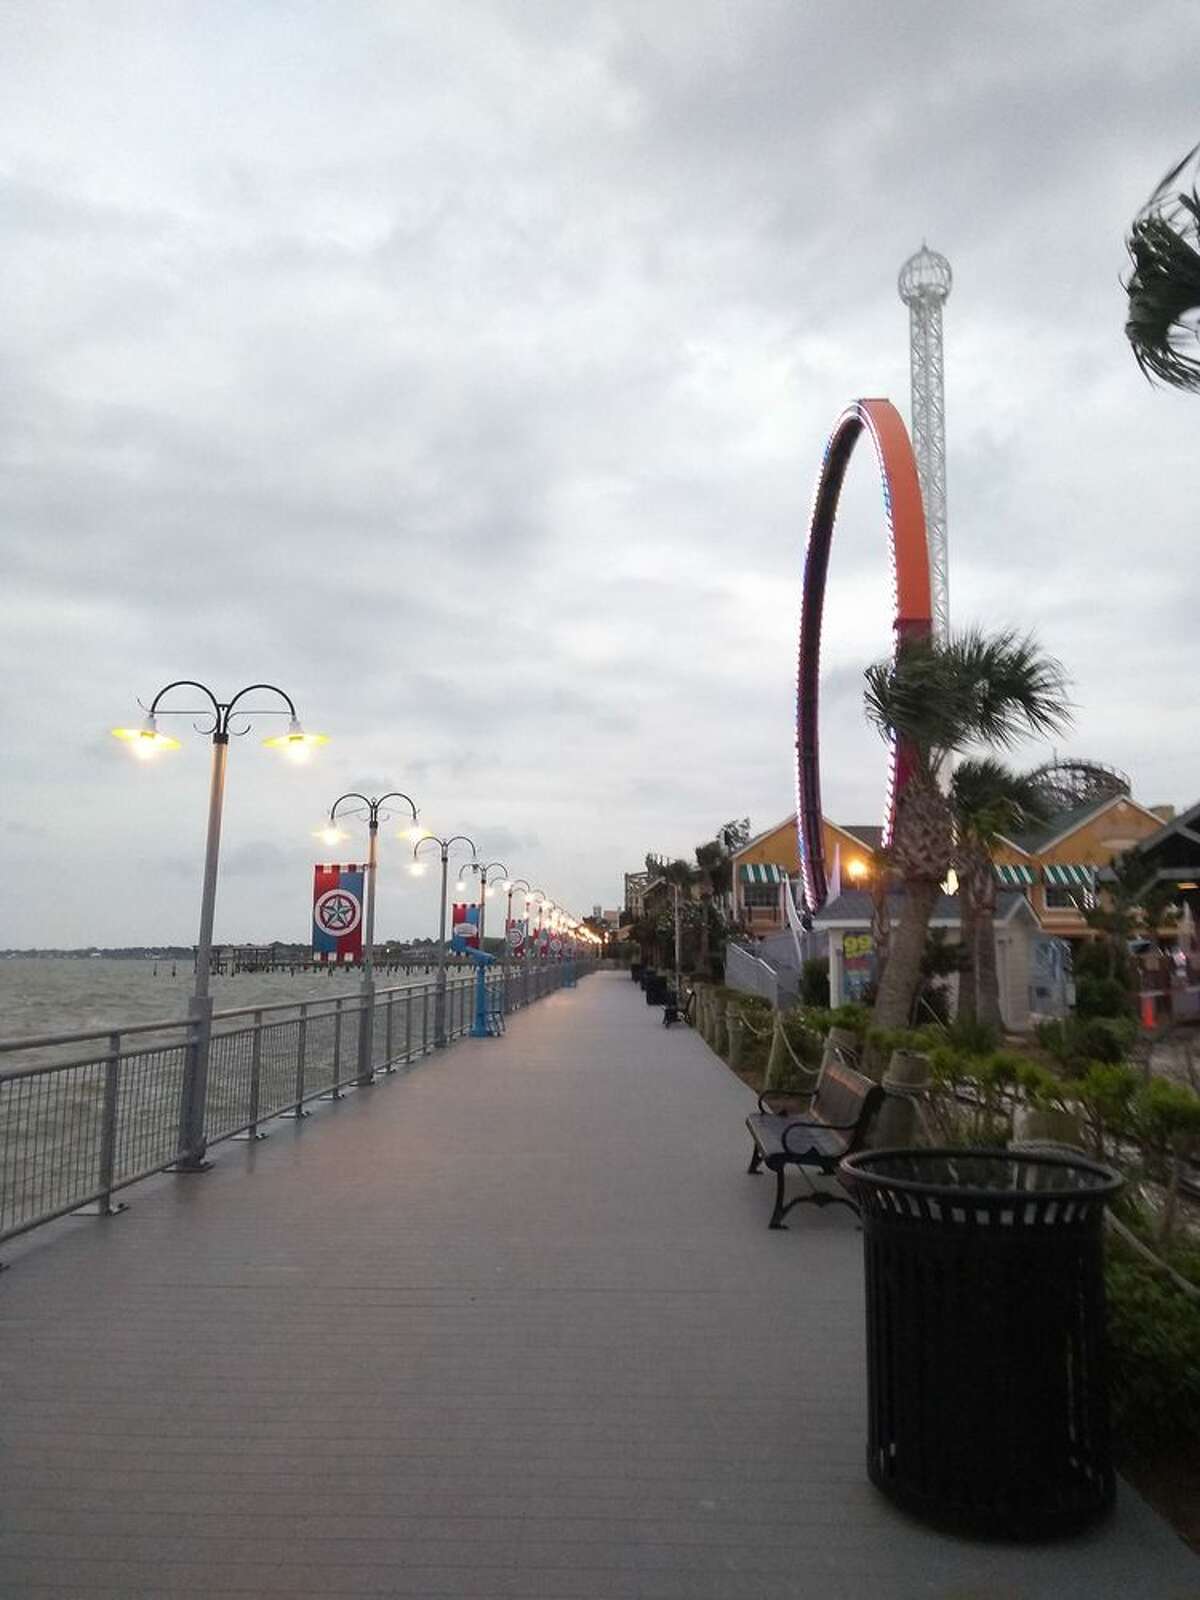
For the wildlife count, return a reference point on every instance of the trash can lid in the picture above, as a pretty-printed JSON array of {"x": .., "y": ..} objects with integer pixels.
[{"x": 991, "y": 1175}]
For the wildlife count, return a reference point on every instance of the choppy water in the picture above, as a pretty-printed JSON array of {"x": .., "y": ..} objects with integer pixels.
[{"x": 41, "y": 996}]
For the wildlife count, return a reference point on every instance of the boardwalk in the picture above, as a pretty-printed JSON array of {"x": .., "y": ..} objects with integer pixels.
[{"x": 510, "y": 1326}]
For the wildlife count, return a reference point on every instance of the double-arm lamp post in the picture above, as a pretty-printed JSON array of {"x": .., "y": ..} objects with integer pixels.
[
  {"x": 147, "y": 741},
  {"x": 528, "y": 891},
  {"x": 488, "y": 871},
  {"x": 439, "y": 999},
  {"x": 332, "y": 834}
]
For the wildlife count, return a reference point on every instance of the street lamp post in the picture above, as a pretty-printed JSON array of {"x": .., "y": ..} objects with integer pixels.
[
  {"x": 487, "y": 870},
  {"x": 146, "y": 741},
  {"x": 331, "y": 835},
  {"x": 524, "y": 886},
  {"x": 439, "y": 997}
]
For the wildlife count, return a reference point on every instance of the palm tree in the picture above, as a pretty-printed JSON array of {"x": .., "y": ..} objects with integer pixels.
[
  {"x": 934, "y": 700},
  {"x": 1164, "y": 286},
  {"x": 682, "y": 877},
  {"x": 988, "y": 800},
  {"x": 714, "y": 862}
]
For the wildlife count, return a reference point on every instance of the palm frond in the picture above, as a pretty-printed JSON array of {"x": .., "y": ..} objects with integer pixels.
[
  {"x": 1164, "y": 286},
  {"x": 989, "y": 798},
  {"x": 974, "y": 688}
]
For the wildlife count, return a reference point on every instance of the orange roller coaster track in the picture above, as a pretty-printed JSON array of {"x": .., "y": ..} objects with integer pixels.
[{"x": 913, "y": 607}]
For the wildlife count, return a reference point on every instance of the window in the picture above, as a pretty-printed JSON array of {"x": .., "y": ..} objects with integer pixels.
[
  {"x": 1069, "y": 899},
  {"x": 761, "y": 894}
]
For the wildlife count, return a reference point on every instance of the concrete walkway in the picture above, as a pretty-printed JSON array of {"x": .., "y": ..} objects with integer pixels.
[{"x": 510, "y": 1326}]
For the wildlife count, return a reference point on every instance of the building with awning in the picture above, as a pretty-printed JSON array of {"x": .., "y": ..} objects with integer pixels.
[
  {"x": 1016, "y": 876},
  {"x": 762, "y": 872},
  {"x": 765, "y": 865},
  {"x": 1056, "y": 864}
]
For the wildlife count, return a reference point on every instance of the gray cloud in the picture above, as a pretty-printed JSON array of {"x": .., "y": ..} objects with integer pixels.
[{"x": 465, "y": 371}]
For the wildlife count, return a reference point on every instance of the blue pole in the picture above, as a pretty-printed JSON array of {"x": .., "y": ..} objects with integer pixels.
[{"x": 479, "y": 1028}]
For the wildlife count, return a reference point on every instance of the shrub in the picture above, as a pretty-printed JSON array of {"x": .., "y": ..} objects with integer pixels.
[
  {"x": 804, "y": 1040},
  {"x": 1102, "y": 997},
  {"x": 1165, "y": 1114},
  {"x": 1154, "y": 1358},
  {"x": 1075, "y": 1041},
  {"x": 1106, "y": 1038},
  {"x": 814, "y": 982},
  {"x": 974, "y": 1038},
  {"x": 1106, "y": 1089},
  {"x": 855, "y": 1018}
]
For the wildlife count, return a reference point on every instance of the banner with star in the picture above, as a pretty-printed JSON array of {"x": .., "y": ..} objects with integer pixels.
[{"x": 338, "y": 913}]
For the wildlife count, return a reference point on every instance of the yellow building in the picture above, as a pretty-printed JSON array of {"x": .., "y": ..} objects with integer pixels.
[
  {"x": 1056, "y": 864},
  {"x": 762, "y": 867}
]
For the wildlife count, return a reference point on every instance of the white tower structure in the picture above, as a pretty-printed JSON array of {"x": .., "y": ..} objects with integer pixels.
[{"x": 924, "y": 285}]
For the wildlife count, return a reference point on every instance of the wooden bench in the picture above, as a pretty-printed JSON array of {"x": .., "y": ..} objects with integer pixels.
[{"x": 837, "y": 1120}]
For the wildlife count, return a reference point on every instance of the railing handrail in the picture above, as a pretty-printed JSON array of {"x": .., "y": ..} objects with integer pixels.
[{"x": 44, "y": 1041}]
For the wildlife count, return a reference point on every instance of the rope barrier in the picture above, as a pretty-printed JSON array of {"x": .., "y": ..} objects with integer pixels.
[{"x": 1144, "y": 1250}]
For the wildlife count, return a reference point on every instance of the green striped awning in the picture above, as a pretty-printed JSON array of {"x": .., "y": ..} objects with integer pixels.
[
  {"x": 1015, "y": 877},
  {"x": 1068, "y": 875},
  {"x": 762, "y": 872}
]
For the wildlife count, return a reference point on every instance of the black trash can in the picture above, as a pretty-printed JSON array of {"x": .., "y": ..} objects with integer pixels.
[
  {"x": 635, "y": 971},
  {"x": 986, "y": 1388},
  {"x": 656, "y": 989}
]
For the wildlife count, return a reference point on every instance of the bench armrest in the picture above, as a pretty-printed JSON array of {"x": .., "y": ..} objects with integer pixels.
[
  {"x": 826, "y": 1127},
  {"x": 787, "y": 1094}
]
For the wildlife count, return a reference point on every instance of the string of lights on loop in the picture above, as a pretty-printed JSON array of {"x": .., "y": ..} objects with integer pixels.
[{"x": 912, "y": 607}]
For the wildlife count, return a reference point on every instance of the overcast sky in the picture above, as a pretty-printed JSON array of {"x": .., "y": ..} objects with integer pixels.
[{"x": 464, "y": 369}]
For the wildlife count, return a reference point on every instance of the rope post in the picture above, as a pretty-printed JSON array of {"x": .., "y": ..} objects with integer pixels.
[
  {"x": 900, "y": 1121},
  {"x": 720, "y": 1039},
  {"x": 735, "y": 1027},
  {"x": 777, "y": 1060}
]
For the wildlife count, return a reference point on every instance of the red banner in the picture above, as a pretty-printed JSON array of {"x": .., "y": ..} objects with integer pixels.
[
  {"x": 338, "y": 913},
  {"x": 464, "y": 924},
  {"x": 515, "y": 934}
]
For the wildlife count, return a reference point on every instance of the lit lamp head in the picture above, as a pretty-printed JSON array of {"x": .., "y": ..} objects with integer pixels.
[
  {"x": 330, "y": 834},
  {"x": 856, "y": 869},
  {"x": 460, "y": 886},
  {"x": 416, "y": 868},
  {"x": 146, "y": 741},
  {"x": 295, "y": 743},
  {"x": 415, "y": 833}
]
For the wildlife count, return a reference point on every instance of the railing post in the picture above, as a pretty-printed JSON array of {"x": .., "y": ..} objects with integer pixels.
[
  {"x": 388, "y": 1065},
  {"x": 408, "y": 999},
  {"x": 252, "y": 1132},
  {"x": 108, "y": 1131},
  {"x": 334, "y": 1093},
  {"x": 301, "y": 1054},
  {"x": 366, "y": 1030},
  {"x": 425, "y": 1020}
]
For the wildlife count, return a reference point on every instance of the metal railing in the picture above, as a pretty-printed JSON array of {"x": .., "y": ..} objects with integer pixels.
[
  {"x": 73, "y": 1132},
  {"x": 752, "y": 975}
]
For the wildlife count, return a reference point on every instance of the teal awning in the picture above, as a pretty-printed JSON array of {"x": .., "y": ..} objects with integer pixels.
[
  {"x": 1015, "y": 877},
  {"x": 762, "y": 872},
  {"x": 1070, "y": 875}
]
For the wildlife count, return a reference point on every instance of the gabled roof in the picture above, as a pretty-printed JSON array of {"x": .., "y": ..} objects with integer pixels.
[
  {"x": 1187, "y": 822},
  {"x": 788, "y": 822},
  {"x": 868, "y": 834},
  {"x": 1047, "y": 834}
]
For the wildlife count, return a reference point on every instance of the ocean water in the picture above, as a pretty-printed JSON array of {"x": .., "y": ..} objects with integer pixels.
[{"x": 45, "y": 996}]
